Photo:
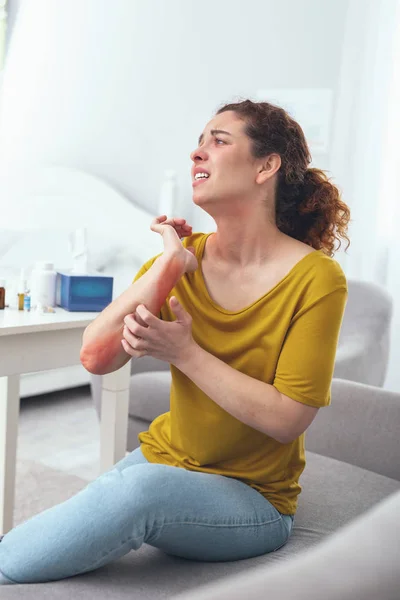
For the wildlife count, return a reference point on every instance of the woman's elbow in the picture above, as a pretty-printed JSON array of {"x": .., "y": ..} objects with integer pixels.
[{"x": 88, "y": 361}]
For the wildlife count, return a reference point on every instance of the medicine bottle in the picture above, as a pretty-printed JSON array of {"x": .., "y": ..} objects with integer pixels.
[
  {"x": 2, "y": 294},
  {"x": 43, "y": 285},
  {"x": 22, "y": 287}
]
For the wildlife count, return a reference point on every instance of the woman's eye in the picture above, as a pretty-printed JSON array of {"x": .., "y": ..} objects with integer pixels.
[{"x": 218, "y": 140}]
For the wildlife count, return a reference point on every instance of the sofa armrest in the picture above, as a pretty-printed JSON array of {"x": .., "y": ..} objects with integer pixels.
[
  {"x": 360, "y": 560},
  {"x": 360, "y": 427}
]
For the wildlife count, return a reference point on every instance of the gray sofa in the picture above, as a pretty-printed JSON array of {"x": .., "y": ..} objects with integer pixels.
[{"x": 353, "y": 465}]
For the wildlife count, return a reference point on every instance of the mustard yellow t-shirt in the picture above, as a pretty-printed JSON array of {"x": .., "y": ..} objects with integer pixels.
[{"x": 287, "y": 338}]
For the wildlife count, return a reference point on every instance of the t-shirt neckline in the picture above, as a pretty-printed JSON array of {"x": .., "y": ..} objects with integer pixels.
[{"x": 246, "y": 308}]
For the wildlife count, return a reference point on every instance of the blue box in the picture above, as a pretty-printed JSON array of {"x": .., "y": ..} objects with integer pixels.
[{"x": 88, "y": 293}]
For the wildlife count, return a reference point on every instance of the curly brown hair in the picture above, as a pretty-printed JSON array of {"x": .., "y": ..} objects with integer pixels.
[{"x": 308, "y": 207}]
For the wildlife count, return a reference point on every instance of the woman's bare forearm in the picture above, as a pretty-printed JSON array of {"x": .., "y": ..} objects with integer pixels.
[{"x": 102, "y": 351}]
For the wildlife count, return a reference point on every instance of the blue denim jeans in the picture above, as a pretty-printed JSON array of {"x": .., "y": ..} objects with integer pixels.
[{"x": 188, "y": 514}]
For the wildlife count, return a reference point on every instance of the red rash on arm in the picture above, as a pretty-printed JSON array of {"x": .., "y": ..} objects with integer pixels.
[
  {"x": 96, "y": 356},
  {"x": 103, "y": 352},
  {"x": 164, "y": 284}
]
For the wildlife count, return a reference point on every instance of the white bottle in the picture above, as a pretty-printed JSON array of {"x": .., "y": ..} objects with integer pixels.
[
  {"x": 168, "y": 200},
  {"x": 78, "y": 245},
  {"x": 43, "y": 285}
]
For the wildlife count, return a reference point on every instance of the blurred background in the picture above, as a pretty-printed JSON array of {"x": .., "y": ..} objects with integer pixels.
[{"x": 121, "y": 91}]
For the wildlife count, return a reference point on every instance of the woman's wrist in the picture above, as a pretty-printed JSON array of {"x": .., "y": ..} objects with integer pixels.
[{"x": 174, "y": 262}]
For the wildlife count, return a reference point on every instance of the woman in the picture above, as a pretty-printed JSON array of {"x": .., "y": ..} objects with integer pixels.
[{"x": 249, "y": 319}]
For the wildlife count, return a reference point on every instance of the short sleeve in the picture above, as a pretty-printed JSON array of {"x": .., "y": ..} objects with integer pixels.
[
  {"x": 307, "y": 359},
  {"x": 145, "y": 267}
]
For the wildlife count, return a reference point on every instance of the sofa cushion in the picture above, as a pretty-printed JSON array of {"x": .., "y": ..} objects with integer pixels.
[
  {"x": 333, "y": 494},
  {"x": 149, "y": 395}
]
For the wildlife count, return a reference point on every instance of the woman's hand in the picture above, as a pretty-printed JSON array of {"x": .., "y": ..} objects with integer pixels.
[
  {"x": 165, "y": 340},
  {"x": 171, "y": 230},
  {"x": 179, "y": 224}
]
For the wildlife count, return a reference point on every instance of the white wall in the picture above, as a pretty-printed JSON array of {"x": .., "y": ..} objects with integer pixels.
[{"x": 123, "y": 89}]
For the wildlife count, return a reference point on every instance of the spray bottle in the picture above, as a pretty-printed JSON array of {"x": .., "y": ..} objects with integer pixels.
[
  {"x": 78, "y": 244},
  {"x": 2, "y": 294}
]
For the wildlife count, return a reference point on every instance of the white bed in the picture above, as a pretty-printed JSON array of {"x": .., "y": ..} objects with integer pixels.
[{"x": 40, "y": 207}]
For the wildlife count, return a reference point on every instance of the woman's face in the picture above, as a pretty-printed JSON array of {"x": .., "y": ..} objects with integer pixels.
[{"x": 224, "y": 154}]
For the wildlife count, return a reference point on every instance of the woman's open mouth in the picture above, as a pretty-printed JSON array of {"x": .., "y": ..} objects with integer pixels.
[{"x": 200, "y": 178}]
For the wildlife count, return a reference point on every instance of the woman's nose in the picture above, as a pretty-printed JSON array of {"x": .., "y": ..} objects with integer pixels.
[{"x": 198, "y": 154}]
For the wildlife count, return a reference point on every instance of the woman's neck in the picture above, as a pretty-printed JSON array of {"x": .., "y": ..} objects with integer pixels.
[{"x": 244, "y": 247}]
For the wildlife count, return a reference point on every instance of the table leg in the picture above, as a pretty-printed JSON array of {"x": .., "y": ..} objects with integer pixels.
[
  {"x": 114, "y": 416},
  {"x": 9, "y": 414}
]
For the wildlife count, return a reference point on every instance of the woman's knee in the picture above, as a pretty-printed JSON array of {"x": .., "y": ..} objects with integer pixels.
[
  {"x": 134, "y": 485},
  {"x": 136, "y": 457}
]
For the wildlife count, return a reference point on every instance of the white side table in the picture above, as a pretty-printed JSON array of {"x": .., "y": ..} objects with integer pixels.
[{"x": 30, "y": 341}]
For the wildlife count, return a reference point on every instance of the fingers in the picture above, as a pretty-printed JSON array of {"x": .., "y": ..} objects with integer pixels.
[
  {"x": 135, "y": 342},
  {"x": 131, "y": 343},
  {"x": 134, "y": 327},
  {"x": 135, "y": 337},
  {"x": 183, "y": 230},
  {"x": 170, "y": 220},
  {"x": 131, "y": 351},
  {"x": 128, "y": 349},
  {"x": 178, "y": 223},
  {"x": 146, "y": 317}
]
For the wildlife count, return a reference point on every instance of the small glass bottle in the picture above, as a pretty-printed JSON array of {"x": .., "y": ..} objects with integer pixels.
[
  {"x": 21, "y": 290},
  {"x": 2, "y": 294},
  {"x": 21, "y": 298}
]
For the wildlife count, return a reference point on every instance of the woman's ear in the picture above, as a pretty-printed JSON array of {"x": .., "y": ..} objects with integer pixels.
[{"x": 267, "y": 169}]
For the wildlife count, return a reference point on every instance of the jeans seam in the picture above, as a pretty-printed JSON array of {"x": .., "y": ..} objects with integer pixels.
[
  {"x": 221, "y": 525},
  {"x": 93, "y": 566}
]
